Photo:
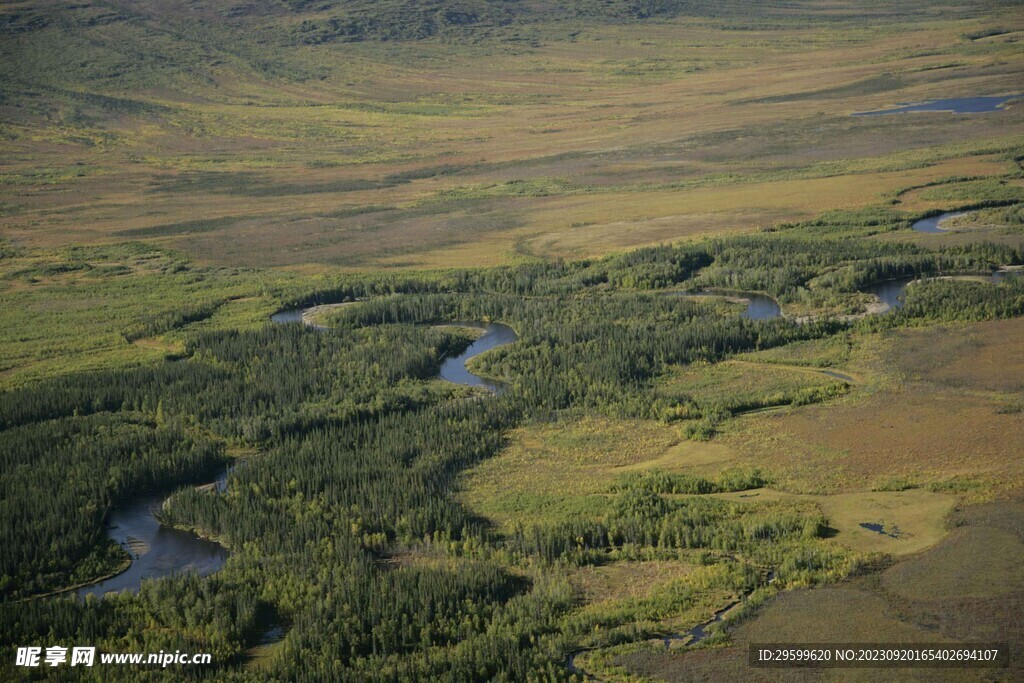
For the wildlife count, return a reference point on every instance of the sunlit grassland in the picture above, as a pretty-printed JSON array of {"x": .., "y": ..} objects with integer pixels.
[
  {"x": 984, "y": 358},
  {"x": 559, "y": 471},
  {"x": 835, "y": 352},
  {"x": 737, "y": 386},
  {"x": 912, "y": 520},
  {"x": 555, "y": 473},
  {"x": 541, "y": 139},
  {"x": 938, "y": 410},
  {"x": 909, "y": 439},
  {"x": 87, "y": 308},
  {"x": 621, "y": 580},
  {"x": 919, "y": 435}
]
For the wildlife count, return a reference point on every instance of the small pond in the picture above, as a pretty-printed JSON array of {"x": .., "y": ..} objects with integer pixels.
[{"x": 955, "y": 105}]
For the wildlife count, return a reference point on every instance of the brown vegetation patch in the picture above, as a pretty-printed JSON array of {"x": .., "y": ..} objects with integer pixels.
[
  {"x": 915, "y": 600},
  {"x": 917, "y": 432},
  {"x": 987, "y": 356},
  {"x": 624, "y": 580}
]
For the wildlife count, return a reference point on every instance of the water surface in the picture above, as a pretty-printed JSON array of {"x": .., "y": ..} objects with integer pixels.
[
  {"x": 933, "y": 224},
  {"x": 759, "y": 306},
  {"x": 891, "y": 292},
  {"x": 157, "y": 551},
  {"x": 495, "y": 335},
  {"x": 955, "y": 105},
  {"x": 289, "y": 317},
  {"x": 880, "y": 529}
]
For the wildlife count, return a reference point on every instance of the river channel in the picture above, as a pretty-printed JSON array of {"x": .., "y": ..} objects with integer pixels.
[{"x": 158, "y": 551}]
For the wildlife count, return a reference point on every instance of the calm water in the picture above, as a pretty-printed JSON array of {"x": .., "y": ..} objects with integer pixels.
[
  {"x": 288, "y": 317},
  {"x": 880, "y": 529},
  {"x": 891, "y": 292},
  {"x": 495, "y": 335},
  {"x": 157, "y": 551},
  {"x": 759, "y": 306},
  {"x": 932, "y": 224},
  {"x": 293, "y": 316},
  {"x": 956, "y": 105},
  {"x": 1001, "y": 275},
  {"x": 837, "y": 375}
]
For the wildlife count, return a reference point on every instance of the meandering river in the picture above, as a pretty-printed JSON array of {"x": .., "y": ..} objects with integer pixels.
[
  {"x": 158, "y": 551},
  {"x": 892, "y": 293},
  {"x": 759, "y": 306},
  {"x": 495, "y": 335},
  {"x": 933, "y": 224}
]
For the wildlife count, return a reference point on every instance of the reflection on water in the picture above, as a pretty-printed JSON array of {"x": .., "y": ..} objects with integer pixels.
[
  {"x": 288, "y": 317},
  {"x": 759, "y": 306},
  {"x": 495, "y": 335},
  {"x": 881, "y": 529},
  {"x": 891, "y": 292},
  {"x": 156, "y": 550}
]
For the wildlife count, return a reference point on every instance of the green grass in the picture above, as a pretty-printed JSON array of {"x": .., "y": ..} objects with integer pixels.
[
  {"x": 82, "y": 308},
  {"x": 527, "y": 481},
  {"x": 736, "y": 386}
]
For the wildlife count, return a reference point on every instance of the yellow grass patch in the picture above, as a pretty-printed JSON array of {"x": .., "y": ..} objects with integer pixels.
[
  {"x": 912, "y": 520},
  {"x": 984, "y": 356},
  {"x": 736, "y": 384},
  {"x": 686, "y": 456},
  {"x": 158, "y": 344},
  {"x": 558, "y": 471},
  {"x": 938, "y": 404},
  {"x": 919, "y": 433},
  {"x": 612, "y": 222},
  {"x": 624, "y": 580}
]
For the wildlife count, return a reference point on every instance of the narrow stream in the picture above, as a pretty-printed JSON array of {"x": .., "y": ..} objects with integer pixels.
[
  {"x": 495, "y": 335},
  {"x": 954, "y": 105},
  {"x": 692, "y": 636}
]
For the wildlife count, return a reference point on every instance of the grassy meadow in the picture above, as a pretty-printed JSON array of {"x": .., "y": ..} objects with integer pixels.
[{"x": 545, "y": 135}]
